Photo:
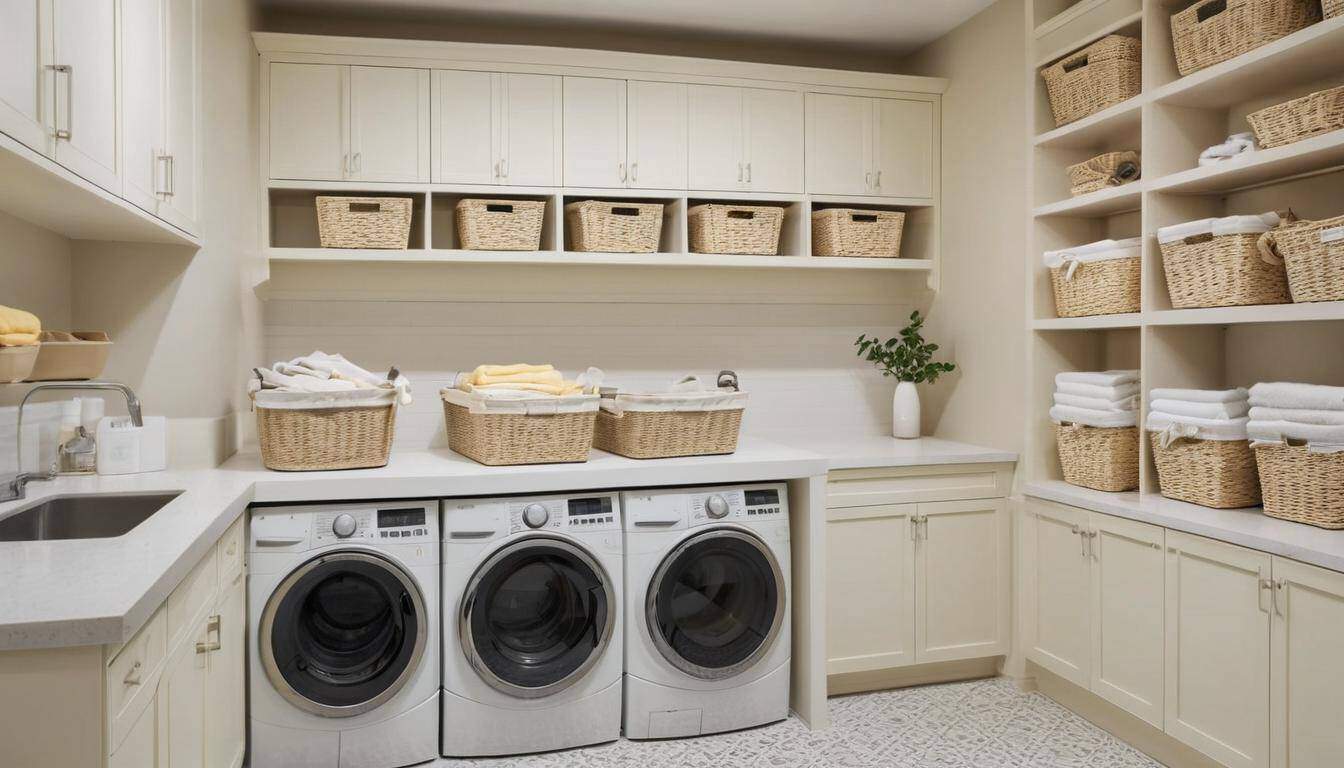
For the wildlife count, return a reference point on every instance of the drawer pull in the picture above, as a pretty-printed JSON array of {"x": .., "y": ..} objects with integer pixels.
[
  {"x": 133, "y": 675},
  {"x": 211, "y": 627}
]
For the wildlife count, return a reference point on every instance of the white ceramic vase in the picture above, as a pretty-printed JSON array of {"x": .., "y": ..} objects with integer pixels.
[{"x": 905, "y": 411}]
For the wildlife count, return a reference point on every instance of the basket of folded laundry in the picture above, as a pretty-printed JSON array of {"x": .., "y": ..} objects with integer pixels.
[
  {"x": 521, "y": 414},
  {"x": 692, "y": 418},
  {"x": 1297, "y": 434},
  {"x": 1100, "y": 278},
  {"x": 1200, "y": 447},
  {"x": 1220, "y": 262},
  {"x": 1096, "y": 428},
  {"x": 322, "y": 412}
]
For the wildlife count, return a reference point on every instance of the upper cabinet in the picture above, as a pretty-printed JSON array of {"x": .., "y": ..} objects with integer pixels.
[
  {"x": 622, "y": 133},
  {"x": 656, "y": 135},
  {"x": 86, "y": 103},
  {"x": 331, "y": 122},
  {"x": 497, "y": 128},
  {"x": 25, "y": 89},
  {"x": 745, "y": 139},
  {"x": 870, "y": 146}
]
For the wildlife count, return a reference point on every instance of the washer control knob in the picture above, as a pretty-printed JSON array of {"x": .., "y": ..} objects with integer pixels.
[
  {"x": 535, "y": 515},
  {"x": 344, "y": 526},
  {"x": 716, "y": 506}
]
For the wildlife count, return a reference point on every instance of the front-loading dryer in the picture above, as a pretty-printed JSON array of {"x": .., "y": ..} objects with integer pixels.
[
  {"x": 343, "y": 629},
  {"x": 707, "y": 606},
  {"x": 532, "y": 635}
]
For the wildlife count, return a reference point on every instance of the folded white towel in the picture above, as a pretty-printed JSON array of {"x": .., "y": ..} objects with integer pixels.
[
  {"x": 1117, "y": 392},
  {"x": 1236, "y": 144},
  {"x": 1300, "y": 396},
  {"x": 1098, "y": 378},
  {"x": 1323, "y": 418},
  {"x": 1078, "y": 401},
  {"x": 336, "y": 367},
  {"x": 1223, "y": 411},
  {"x": 273, "y": 379},
  {"x": 1174, "y": 427},
  {"x": 1277, "y": 431},
  {"x": 1199, "y": 395},
  {"x": 1064, "y": 414}
]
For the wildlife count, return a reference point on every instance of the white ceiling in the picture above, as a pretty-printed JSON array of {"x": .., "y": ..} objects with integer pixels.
[{"x": 896, "y": 26}]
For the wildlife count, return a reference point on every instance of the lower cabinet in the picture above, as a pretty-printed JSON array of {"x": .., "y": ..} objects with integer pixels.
[
  {"x": 225, "y": 680},
  {"x": 1306, "y": 669},
  {"x": 182, "y": 693}
]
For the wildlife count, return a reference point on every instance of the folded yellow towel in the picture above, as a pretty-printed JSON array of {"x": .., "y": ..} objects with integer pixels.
[
  {"x": 566, "y": 388},
  {"x": 18, "y": 328},
  {"x": 508, "y": 370},
  {"x": 18, "y": 339},
  {"x": 549, "y": 377}
]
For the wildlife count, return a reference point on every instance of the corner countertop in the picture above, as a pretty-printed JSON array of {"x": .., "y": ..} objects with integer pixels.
[{"x": 872, "y": 452}]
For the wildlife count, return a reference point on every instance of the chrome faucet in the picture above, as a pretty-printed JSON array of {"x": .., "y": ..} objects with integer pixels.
[{"x": 15, "y": 486}]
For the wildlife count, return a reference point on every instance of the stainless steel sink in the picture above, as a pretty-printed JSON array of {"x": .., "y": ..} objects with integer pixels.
[{"x": 92, "y": 516}]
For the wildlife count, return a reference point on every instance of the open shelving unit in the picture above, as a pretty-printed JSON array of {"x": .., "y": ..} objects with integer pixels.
[{"x": 1170, "y": 122}]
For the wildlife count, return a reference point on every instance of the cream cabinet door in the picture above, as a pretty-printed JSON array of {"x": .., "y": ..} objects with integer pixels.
[
  {"x": 870, "y": 584},
  {"x": 1217, "y": 649},
  {"x": 140, "y": 747},
  {"x": 714, "y": 137},
  {"x": 962, "y": 571},
  {"x": 532, "y": 130},
  {"x": 1056, "y": 573},
  {"x": 656, "y": 135},
  {"x": 182, "y": 701},
  {"x": 466, "y": 124},
  {"x": 903, "y": 148},
  {"x": 183, "y": 161},
  {"x": 85, "y": 48},
  {"x": 389, "y": 124},
  {"x": 25, "y": 83},
  {"x": 1127, "y": 615},
  {"x": 143, "y": 79},
  {"x": 839, "y": 138},
  {"x": 225, "y": 692},
  {"x": 774, "y": 140},
  {"x": 594, "y": 132},
  {"x": 1307, "y": 670},
  {"x": 309, "y": 137}
]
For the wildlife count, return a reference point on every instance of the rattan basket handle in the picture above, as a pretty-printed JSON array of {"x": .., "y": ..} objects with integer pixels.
[{"x": 1268, "y": 247}]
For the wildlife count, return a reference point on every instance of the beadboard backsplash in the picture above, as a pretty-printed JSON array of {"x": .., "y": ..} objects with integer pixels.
[{"x": 789, "y": 335}]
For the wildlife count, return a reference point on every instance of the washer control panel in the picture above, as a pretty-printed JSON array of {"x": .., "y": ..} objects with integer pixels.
[
  {"x": 573, "y": 514},
  {"x": 389, "y": 524},
  {"x": 691, "y": 507}
]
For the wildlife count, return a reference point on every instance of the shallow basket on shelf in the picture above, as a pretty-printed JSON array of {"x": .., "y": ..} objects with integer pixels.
[
  {"x": 751, "y": 230},
  {"x": 1212, "y": 473},
  {"x": 1100, "y": 458},
  {"x": 1213, "y": 31},
  {"x": 1099, "y": 76},
  {"x": 500, "y": 225},
  {"x": 608, "y": 227},
  {"x": 1086, "y": 282},
  {"x": 364, "y": 222},
  {"x": 858, "y": 233},
  {"x": 1301, "y": 485},
  {"x": 1221, "y": 270},
  {"x": 1298, "y": 119},
  {"x": 1110, "y": 169},
  {"x": 1313, "y": 255}
]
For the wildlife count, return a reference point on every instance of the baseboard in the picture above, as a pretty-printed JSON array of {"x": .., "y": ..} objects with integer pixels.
[
  {"x": 904, "y": 677},
  {"x": 1149, "y": 740}
]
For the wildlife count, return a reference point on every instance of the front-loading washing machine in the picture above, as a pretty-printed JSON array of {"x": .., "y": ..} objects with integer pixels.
[
  {"x": 343, "y": 629},
  {"x": 533, "y": 629},
  {"x": 707, "y": 607}
]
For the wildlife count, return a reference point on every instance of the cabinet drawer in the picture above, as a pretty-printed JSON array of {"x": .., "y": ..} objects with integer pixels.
[
  {"x": 192, "y": 594},
  {"x": 131, "y": 675},
  {"x": 905, "y": 485},
  {"x": 230, "y": 551}
]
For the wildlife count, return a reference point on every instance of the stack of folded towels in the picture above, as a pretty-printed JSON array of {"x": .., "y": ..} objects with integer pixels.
[
  {"x": 1204, "y": 414},
  {"x": 1307, "y": 413},
  {"x": 321, "y": 372},
  {"x": 19, "y": 328},
  {"x": 1096, "y": 399},
  {"x": 524, "y": 380}
]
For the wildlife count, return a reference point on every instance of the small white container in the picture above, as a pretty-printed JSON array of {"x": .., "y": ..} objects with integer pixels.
[{"x": 125, "y": 450}]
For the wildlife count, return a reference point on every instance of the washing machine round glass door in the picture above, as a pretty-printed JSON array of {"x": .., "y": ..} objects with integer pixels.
[
  {"x": 536, "y": 616},
  {"x": 343, "y": 633},
  {"x": 715, "y": 604}
]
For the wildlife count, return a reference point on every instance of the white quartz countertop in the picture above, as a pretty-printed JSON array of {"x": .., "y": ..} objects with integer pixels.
[
  {"x": 870, "y": 452},
  {"x": 1245, "y": 527}
]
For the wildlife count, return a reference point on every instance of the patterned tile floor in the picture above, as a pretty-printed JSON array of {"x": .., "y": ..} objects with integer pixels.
[{"x": 979, "y": 724}]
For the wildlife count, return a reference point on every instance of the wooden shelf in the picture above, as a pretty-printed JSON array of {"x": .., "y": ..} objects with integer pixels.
[
  {"x": 589, "y": 259},
  {"x": 1317, "y": 154},
  {"x": 1108, "y": 126},
  {"x": 1104, "y": 202},
  {"x": 1128, "y": 22},
  {"x": 1266, "y": 313},
  {"x": 1098, "y": 322}
]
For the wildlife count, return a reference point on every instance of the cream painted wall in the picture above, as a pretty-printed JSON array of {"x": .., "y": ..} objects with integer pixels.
[{"x": 35, "y": 271}]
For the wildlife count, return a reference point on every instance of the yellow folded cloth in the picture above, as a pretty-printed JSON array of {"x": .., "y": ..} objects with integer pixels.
[
  {"x": 560, "y": 390},
  {"x": 509, "y": 370},
  {"x": 549, "y": 377},
  {"x": 18, "y": 339},
  {"x": 18, "y": 328}
]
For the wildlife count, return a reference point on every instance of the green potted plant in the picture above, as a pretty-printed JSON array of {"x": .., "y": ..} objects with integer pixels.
[{"x": 910, "y": 360}]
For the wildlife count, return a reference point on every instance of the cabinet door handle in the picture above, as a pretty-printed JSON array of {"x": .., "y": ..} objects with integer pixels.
[
  {"x": 359, "y": 162},
  {"x": 739, "y": 173},
  {"x": 1265, "y": 586},
  {"x": 1278, "y": 590},
  {"x": 211, "y": 628},
  {"x": 504, "y": 168},
  {"x": 879, "y": 180},
  {"x": 748, "y": 173},
  {"x": 133, "y": 674},
  {"x": 170, "y": 183},
  {"x": 634, "y": 171},
  {"x": 68, "y": 131},
  {"x": 345, "y": 165},
  {"x": 868, "y": 185},
  {"x": 620, "y": 169}
]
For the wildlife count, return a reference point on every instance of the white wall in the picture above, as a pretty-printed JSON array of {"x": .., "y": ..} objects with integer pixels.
[{"x": 35, "y": 271}]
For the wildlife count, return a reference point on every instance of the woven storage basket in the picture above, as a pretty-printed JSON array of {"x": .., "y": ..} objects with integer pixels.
[
  {"x": 594, "y": 225},
  {"x": 1213, "y": 31},
  {"x": 503, "y": 438},
  {"x": 1213, "y": 473},
  {"x": 1101, "y": 75},
  {"x": 854, "y": 232},
  {"x": 1302, "y": 486},
  {"x": 1112, "y": 169},
  {"x": 1332, "y": 8},
  {"x": 500, "y": 225},
  {"x": 1101, "y": 458},
  {"x": 751, "y": 230},
  {"x": 657, "y": 435},
  {"x": 306, "y": 439},
  {"x": 1097, "y": 288},
  {"x": 364, "y": 222},
  {"x": 1222, "y": 271},
  {"x": 1313, "y": 254},
  {"x": 1298, "y": 119}
]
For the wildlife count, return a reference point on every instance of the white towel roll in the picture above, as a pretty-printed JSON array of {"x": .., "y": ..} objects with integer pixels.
[
  {"x": 1223, "y": 411},
  {"x": 1098, "y": 378},
  {"x": 1199, "y": 395},
  {"x": 1062, "y": 414}
]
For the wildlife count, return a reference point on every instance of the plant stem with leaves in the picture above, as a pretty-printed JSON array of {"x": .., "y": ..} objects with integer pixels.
[{"x": 907, "y": 357}]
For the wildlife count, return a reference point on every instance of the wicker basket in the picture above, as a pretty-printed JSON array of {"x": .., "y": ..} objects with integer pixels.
[
  {"x": 301, "y": 440},
  {"x": 1213, "y": 31},
  {"x": 594, "y": 225},
  {"x": 854, "y": 232},
  {"x": 751, "y": 230},
  {"x": 1101, "y": 75},
  {"x": 1302, "y": 486},
  {"x": 364, "y": 222},
  {"x": 526, "y": 436},
  {"x": 1213, "y": 473},
  {"x": 1313, "y": 254},
  {"x": 658, "y": 435},
  {"x": 1097, "y": 288},
  {"x": 1104, "y": 171},
  {"x": 1332, "y": 8},
  {"x": 1298, "y": 119},
  {"x": 500, "y": 225},
  {"x": 1208, "y": 270},
  {"x": 1101, "y": 458}
]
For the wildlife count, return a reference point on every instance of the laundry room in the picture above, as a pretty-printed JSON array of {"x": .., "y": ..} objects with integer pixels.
[{"x": 512, "y": 383}]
